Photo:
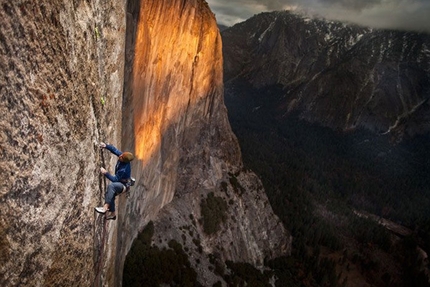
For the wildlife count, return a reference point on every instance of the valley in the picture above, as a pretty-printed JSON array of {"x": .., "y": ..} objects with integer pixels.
[
  {"x": 315, "y": 178},
  {"x": 329, "y": 135}
]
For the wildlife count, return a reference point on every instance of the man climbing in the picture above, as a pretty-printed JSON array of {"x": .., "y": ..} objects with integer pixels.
[{"x": 119, "y": 182}]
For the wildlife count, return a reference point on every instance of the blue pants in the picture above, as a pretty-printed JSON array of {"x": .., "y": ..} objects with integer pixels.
[{"x": 113, "y": 189}]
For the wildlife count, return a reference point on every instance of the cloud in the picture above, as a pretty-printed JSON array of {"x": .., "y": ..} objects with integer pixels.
[
  {"x": 388, "y": 14},
  {"x": 352, "y": 4},
  {"x": 394, "y": 14},
  {"x": 230, "y": 12}
]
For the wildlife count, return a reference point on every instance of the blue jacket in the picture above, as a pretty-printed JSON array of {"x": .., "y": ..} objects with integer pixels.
[{"x": 122, "y": 169}]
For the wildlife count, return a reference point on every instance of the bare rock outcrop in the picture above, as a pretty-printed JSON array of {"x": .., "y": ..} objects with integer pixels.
[
  {"x": 182, "y": 137},
  {"x": 248, "y": 233},
  {"x": 61, "y": 92},
  {"x": 145, "y": 76}
]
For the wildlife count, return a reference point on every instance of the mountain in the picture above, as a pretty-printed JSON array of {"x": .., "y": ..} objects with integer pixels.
[
  {"x": 145, "y": 76},
  {"x": 334, "y": 119},
  {"x": 222, "y": 27},
  {"x": 338, "y": 75}
]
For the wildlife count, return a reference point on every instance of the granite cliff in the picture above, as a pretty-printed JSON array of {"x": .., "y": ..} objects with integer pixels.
[{"x": 145, "y": 76}]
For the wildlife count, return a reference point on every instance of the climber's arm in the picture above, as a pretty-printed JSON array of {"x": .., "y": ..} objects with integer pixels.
[
  {"x": 111, "y": 148},
  {"x": 113, "y": 178}
]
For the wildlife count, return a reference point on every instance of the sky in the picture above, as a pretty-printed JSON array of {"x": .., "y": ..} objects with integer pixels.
[{"x": 392, "y": 14}]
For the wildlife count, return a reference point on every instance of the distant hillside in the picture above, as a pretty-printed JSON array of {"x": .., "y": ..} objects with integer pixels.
[
  {"x": 337, "y": 75},
  {"x": 335, "y": 120},
  {"x": 222, "y": 27}
]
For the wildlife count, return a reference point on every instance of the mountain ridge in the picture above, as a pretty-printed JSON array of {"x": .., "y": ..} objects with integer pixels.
[
  {"x": 306, "y": 55},
  {"x": 145, "y": 76},
  {"x": 335, "y": 118}
]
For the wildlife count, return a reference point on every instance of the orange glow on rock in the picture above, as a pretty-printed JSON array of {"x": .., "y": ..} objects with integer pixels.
[{"x": 177, "y": 64}]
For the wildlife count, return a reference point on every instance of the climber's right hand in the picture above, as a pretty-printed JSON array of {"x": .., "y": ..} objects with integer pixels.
[{"x": 102, "y": 145}]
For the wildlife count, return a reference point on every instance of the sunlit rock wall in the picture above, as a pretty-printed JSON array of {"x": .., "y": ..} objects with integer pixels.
[
  {"x": 175, "y": 108},
  {"x": 61, "y": 83},
  {"x": 176, "y": 122},
  {"x": 145, "y": 76}
]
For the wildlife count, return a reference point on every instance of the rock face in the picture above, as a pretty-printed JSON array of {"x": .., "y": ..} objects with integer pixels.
[
  {"x": 382, "y": 77},
  {"x": 146, "y": 77},
  {"x": 249, "y": 234},
  {"x": 182, "y": 137},
  {"x": 59, "y": 62}
]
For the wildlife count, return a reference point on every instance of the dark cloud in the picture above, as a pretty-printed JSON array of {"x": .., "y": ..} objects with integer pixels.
[
  {"x": 353, "y": 5},
  {"x": 389, "y": 14}
]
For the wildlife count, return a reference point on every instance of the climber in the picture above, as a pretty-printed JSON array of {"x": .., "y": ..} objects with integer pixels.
[{"x": 120, "y": 182}]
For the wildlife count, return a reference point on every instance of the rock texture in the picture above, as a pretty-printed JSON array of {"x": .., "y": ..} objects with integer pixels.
[
  {"x": 381, "y": 77},
  {"x": 182, "y": 137},
  {"x": 250, "y": 233},
  {"x": 145, "y": 76},
  {"x": 59, "y": 61}
]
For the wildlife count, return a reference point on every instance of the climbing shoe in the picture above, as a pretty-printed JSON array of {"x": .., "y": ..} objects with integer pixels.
[
  {"x": 111, "y": 217},
  {"x": 100, "y": 210}
]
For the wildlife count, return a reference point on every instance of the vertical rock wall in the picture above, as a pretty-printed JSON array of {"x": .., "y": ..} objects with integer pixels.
[
  {"x": 175, "y": 121},
  {"x": 177, "y": 124},
  {"x": 175, "y": 98},
  {"x": 61, "y": 85},
  {"x": 143, "y": 75}
]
